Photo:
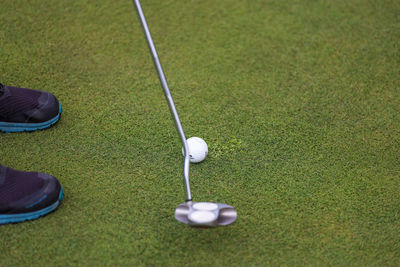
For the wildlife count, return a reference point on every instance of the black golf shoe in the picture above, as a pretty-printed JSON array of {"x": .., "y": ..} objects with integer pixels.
[{"x": 23, "y": 109}]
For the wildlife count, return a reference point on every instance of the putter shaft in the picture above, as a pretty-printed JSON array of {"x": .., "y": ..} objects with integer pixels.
[{"x": 168, "y": 96}]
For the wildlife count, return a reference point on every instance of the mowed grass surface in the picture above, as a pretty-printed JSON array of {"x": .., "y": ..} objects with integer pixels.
[{"x": 299, "y": 102}]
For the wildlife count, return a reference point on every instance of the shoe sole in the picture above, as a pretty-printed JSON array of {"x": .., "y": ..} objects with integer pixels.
[
  {"x": 22, "y": 217},
  {"x": 15, "y": 127}
]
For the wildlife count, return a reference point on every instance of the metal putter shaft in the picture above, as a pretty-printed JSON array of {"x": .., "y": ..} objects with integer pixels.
[
  {"x": 204, "y": 214},
  {"x": 168, "y": 96}
]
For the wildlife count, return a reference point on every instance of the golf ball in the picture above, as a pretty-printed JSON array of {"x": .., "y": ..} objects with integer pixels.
[{"x": 198, "y": 149}]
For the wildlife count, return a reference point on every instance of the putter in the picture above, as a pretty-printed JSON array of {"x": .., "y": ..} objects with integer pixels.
[{"x": 200, "y": 214}]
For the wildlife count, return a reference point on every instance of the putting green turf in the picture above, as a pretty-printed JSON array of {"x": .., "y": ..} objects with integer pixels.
[{"x": 298, "y": 100}]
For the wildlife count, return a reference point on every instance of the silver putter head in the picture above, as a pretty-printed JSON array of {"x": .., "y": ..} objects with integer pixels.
[{"x": 205, "y": 214}]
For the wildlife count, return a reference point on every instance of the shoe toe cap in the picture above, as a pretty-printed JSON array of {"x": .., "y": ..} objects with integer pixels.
[
  {"x": 50, "y": 191},
  {"x": 44, "y": 196},
  {"x": 48, "y": 108}
]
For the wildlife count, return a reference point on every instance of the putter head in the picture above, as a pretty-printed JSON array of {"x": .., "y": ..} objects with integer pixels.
[{"x": 205, "y": 214}]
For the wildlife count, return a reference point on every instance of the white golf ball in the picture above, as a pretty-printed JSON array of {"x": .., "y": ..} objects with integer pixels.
[{"x": 198, "y": 149}]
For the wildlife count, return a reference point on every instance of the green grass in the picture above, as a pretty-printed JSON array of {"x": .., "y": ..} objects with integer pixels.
[{"x": 298, "y": 100}]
